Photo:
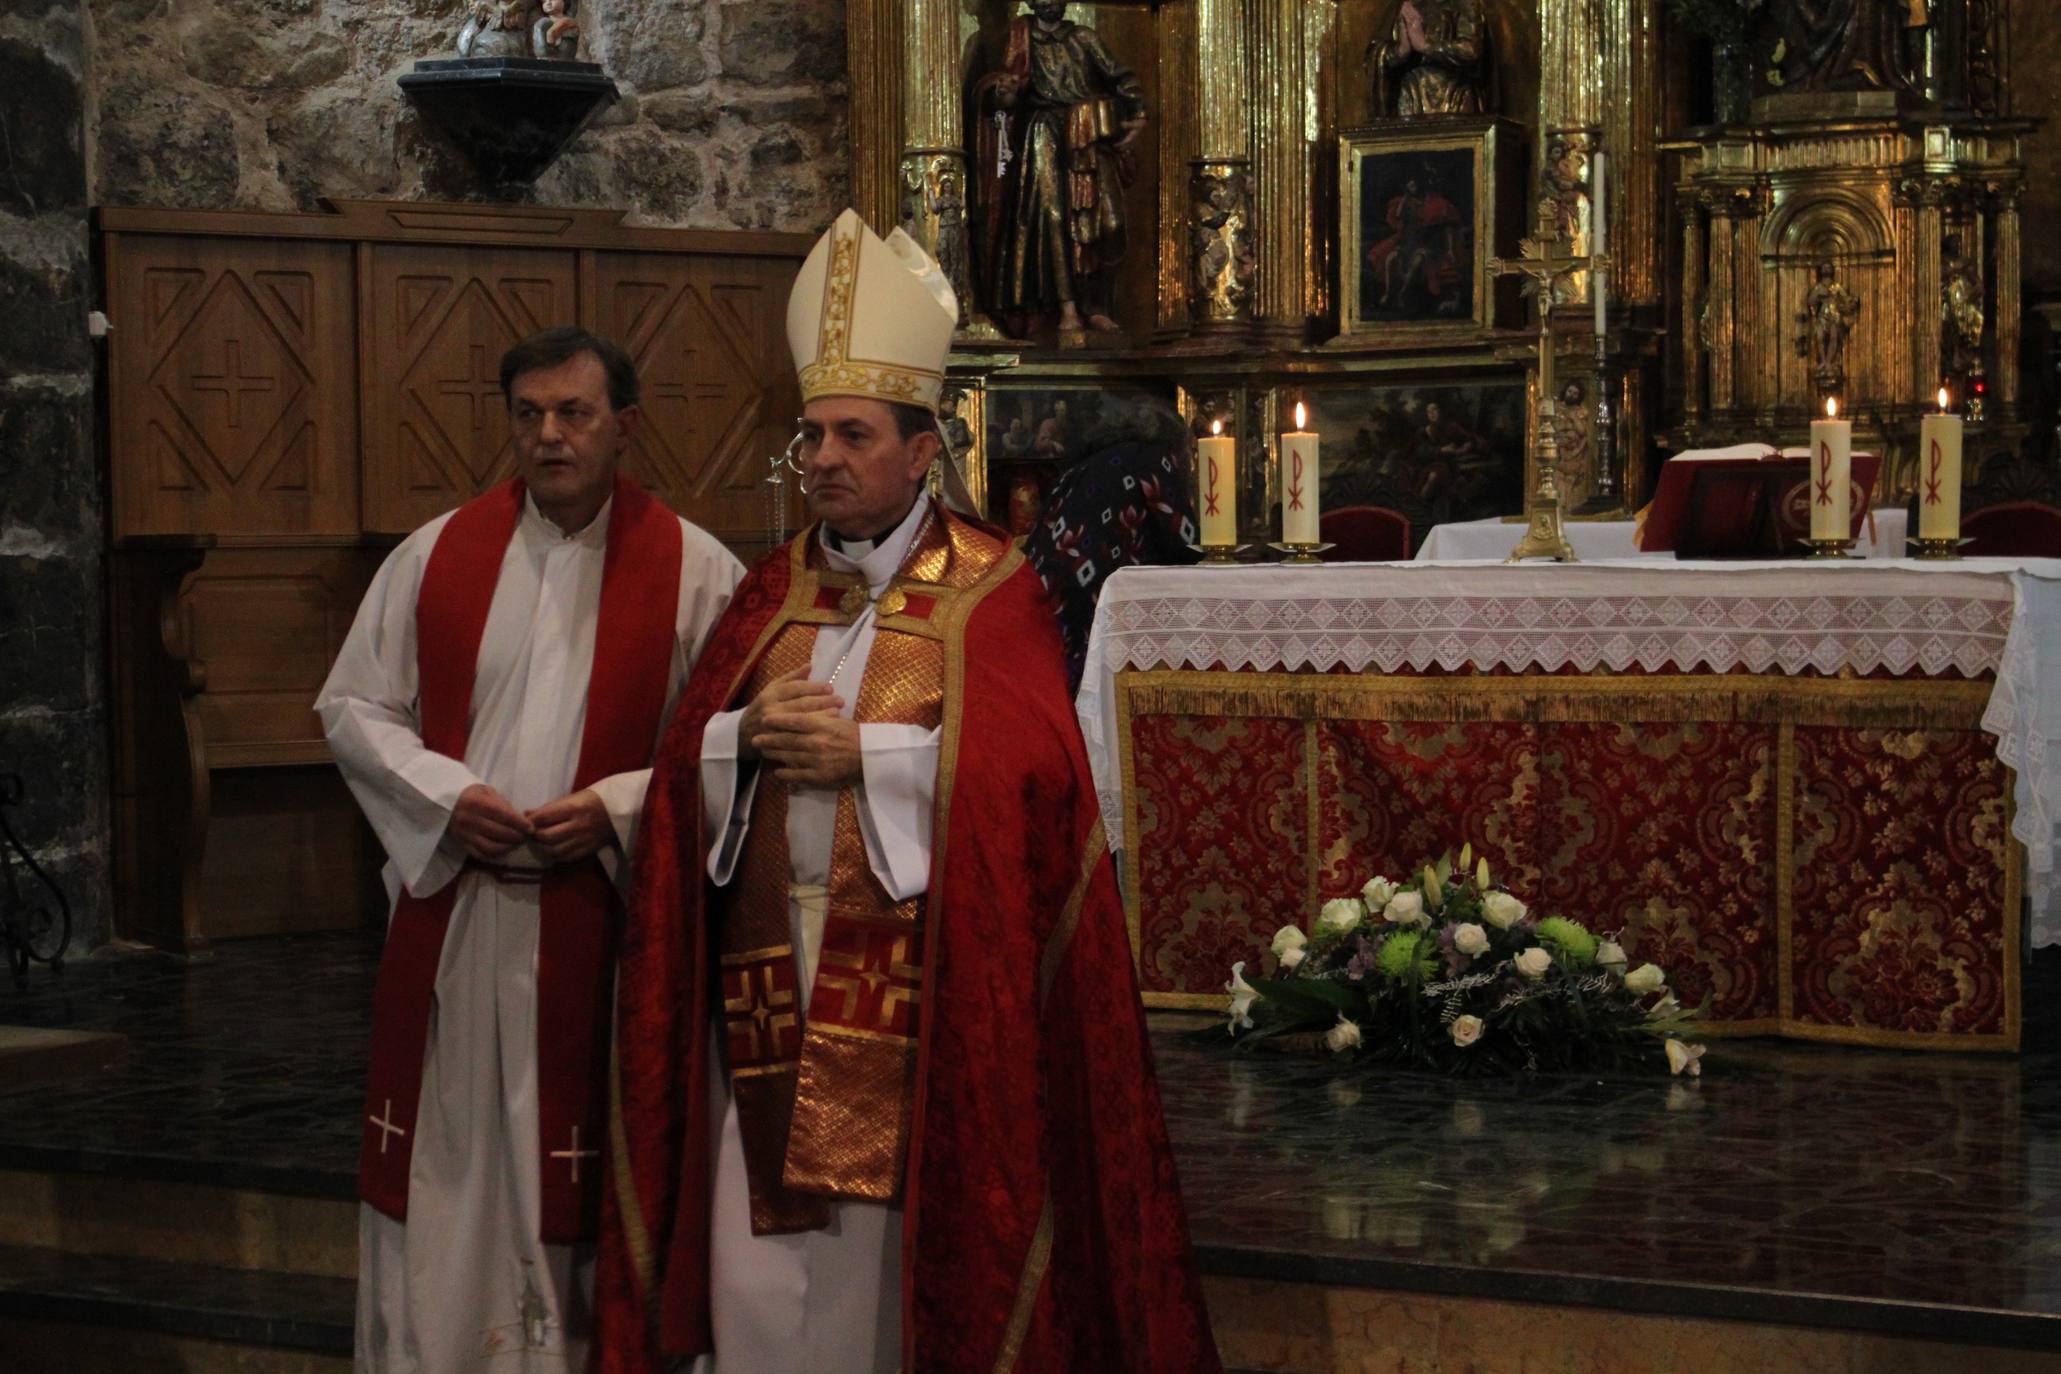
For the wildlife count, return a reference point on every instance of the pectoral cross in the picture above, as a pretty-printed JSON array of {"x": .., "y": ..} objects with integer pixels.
[{"x": 1544, "y": 260}]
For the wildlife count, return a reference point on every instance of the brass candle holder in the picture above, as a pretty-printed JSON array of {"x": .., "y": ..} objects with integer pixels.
[
  {"x": 1936, "y": 550},
  {"x": 1831, "y": 548},
  {"x": 1217, "y": 555},
  {"x": 1300, "y": 554}
]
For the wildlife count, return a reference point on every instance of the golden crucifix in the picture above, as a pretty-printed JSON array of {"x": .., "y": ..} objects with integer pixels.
[{"x": 1545, "y": 258}]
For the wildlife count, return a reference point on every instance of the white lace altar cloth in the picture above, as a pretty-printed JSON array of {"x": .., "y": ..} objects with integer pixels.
[{"x": 2001, "y": 616}]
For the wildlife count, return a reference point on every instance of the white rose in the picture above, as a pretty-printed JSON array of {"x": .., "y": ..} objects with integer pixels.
[
  {"x": 1466, "y": 1030},
  {"x": 1287, "y": 938},
  {"x": 1501, "y": 910},
  {"x": 1377, "y": 892},
  {"x": 1243, "y": 995},
  {"x": 1610, "y": 954},
  {"x": 1683, "y": 1059},
  {"x": 1470, "y": 939},
  {"x": 1405, "y": 908},
  {"x": 1293, "y": 957},
  {"x": 1339, "y": 915},
  {"x": 1343, "y": 1036},
  {"x": 1533, "y": 963},
  {"x": 1644, "y": 979}
]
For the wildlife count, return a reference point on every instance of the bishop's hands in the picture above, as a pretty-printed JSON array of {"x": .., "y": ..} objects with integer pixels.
[
  {"x": 565, "y": 831},
  {"x": 793, "y": 724}
]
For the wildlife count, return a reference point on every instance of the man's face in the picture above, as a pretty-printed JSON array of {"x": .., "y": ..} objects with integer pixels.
[
  {"x": 1431, "y": 413},
  {"x": 567, "y": 436},
  {"x": 1049, "y": 11},
  {"x": 862, "y": 476}
]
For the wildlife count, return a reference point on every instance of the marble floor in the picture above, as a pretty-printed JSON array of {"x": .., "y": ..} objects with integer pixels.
[{"x": 1896, "y": 1192}]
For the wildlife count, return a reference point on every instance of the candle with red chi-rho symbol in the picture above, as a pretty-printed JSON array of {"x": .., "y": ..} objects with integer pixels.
[
  {"x": 1939, "y": 474},
  {"x": 1299, "y": 483},
  {"x": 1831, "y": 475},
  {"x": 1217, "y": 459}
]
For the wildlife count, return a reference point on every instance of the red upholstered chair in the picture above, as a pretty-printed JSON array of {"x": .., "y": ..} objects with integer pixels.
[
  {"x": 1364, "y": 534},
  {"x": 2013, "y": 529}
]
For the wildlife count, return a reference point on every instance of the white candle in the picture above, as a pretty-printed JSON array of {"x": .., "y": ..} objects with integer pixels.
[
  {"x": 1599, "y": 240},
  {"x": 1299, "y": 483},
  {"x": 1217, "y": 457},
  {"x": 1939, "y": 474},
  {"x": 1831, "y": 475}
]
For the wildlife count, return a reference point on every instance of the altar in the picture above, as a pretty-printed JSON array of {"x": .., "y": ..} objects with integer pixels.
[{"x": 1820, "y": 795}]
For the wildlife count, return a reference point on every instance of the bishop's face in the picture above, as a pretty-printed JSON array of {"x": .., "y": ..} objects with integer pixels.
[
  {"x": 862, "y": 475},
  {"x": 568, "y": 437}
]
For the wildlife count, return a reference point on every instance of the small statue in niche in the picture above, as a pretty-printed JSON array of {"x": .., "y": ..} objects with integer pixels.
[
  {"x": 1432, "y": 61},
  {"x": 1960, "y": 310},
  {"x": 556, "y": 35},
  {"x": 1829, "y": 312},
  {"x": 496, "y": 28},
  {"x": 1053, "y": 151}
]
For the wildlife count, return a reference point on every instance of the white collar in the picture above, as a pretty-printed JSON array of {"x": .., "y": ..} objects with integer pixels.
[
  {"x": 594, "y": 534},
  {"x": 882, "y": 559}
]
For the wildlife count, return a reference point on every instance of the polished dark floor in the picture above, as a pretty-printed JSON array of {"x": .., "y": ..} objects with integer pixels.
[{"x": 1900, "y": 1192}]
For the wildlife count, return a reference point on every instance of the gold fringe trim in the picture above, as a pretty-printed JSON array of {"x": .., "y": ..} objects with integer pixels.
[
  {"x": 1854, "y": 703},
  {"x": 635, "y": 1237}
]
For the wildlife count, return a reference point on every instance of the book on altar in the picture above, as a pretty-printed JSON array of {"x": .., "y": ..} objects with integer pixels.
[{"x": 1746, "y": 501}]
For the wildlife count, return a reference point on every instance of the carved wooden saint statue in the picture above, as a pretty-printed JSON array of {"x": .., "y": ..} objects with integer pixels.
[
  {"x": 556, "y": 35},
  {"x": 1432, "y": 61},
  {"x": 497, "y": 28},
  {"x": 1053, "y": 154},
  {"x": 1848, "y": 45},
  {"x": 1829, "y": 312}
]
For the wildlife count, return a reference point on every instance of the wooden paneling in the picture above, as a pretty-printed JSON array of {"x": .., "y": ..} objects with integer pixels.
[
  {"x": 263, "y": 626},
  {"x": 288, "y": 393},
  {"x": 709, "y": 337},
  {"x": 437, "y": 320},
  {"x": 231, "y": 382}
]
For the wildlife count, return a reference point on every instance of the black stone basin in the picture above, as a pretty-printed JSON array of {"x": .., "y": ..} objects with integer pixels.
[{"x": 510, "y": 116}]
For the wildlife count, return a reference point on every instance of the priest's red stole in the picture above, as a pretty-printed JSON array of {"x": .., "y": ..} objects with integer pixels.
[{"x": 633, "y": 651}]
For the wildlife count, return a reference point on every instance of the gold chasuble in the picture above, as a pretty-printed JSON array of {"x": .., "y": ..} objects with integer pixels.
[{"x": 824, "y": 1100}]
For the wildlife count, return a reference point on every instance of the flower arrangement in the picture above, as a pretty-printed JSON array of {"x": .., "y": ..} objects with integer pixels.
[{"x": 1448, "y": 971}]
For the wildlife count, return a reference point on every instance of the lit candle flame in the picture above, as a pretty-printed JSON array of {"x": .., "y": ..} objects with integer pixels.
[
  {"x": 1216, "y": 427},
  {"x": 1831, "y": 407},
  {"x": 1299, "y": 413},
  {"x": 1942, "y": 400}
]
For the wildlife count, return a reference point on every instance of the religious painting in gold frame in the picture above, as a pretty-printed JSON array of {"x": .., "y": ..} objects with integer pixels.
[{"x": 1424, "y": 206}]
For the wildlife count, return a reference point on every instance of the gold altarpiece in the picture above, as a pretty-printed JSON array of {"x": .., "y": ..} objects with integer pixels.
[{"x": 1228, "y": 294}]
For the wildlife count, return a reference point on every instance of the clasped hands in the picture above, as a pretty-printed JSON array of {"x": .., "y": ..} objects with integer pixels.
[
  {"x": 565, "y": 831},
  {"x": 794, "y": 725}
]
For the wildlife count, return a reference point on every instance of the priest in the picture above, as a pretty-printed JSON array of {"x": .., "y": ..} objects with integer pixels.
[
  {"x": 883, "y": 1098},
  {"x": 494, "y": 710}
]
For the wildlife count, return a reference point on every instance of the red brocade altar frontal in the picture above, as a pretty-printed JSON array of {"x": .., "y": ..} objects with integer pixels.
[{"x": 1819, "y": 795}]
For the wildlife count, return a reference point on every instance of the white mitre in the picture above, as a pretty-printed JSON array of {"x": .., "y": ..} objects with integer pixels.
[{"x": 871, "y": 317}]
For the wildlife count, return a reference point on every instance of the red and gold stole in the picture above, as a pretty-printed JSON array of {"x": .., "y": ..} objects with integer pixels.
[
  {"x": 824, "y": 1101},
  {"x": 633, "y": 652}
]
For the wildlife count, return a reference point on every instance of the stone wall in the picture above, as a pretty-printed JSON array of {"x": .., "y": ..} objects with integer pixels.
[
  {"x": 53, "y": 718},
  {"x": 733, "y": 112}
]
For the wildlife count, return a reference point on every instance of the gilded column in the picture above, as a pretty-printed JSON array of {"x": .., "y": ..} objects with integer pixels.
[
  {"x": 1284, "y": 133},
  {"x": 1749, "y": 295},
  {"x": 1927, "y": 226},
  {"x": 931, "y": 185},
  {"x": 2010, "y": 295},
  {"x": 1717, "y": 327},
  {"x": 1632, "y": 118},
  {"x": 1572, "y": 49},
  {"x": 873, "y": 41},
  {"x": 1693, "y": 306},
  {"x": 1177, "y": 150},
  {"x": 1223, "y": 256}
]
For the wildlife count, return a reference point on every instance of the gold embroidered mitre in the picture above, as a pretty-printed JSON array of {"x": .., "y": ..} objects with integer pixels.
[{"x": 870, "y": 317}]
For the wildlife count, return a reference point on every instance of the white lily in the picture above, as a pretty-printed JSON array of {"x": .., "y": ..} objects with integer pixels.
[{"x": 1243, "y": 995}]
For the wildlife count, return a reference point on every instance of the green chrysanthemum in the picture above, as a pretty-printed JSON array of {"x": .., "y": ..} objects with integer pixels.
[
  {"x": 1570, "y": 942},
  {"x": 1404, "y": 955}
]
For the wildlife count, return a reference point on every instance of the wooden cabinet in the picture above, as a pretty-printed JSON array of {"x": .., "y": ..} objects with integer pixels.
[{"x": 287, "y": 396}]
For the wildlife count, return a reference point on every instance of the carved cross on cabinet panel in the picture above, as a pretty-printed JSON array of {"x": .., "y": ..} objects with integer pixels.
[
  {"x": 384, "y": 1122},
  {"x": 233, "y": 382},
  {"x": 481, "y": 386},
  {"x": 573, "y": 1154}
]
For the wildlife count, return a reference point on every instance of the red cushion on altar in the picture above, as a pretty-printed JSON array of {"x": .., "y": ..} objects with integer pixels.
[
  {"x": 1364, "y": 534},
  {"x": 2014, "y": 529}
]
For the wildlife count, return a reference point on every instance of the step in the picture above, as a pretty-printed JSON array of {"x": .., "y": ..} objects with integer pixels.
[
  {"x": 32, "y": 1055},
  {"x": 81, "y": 1314},
  {"x": 187, "y": 1223}
]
